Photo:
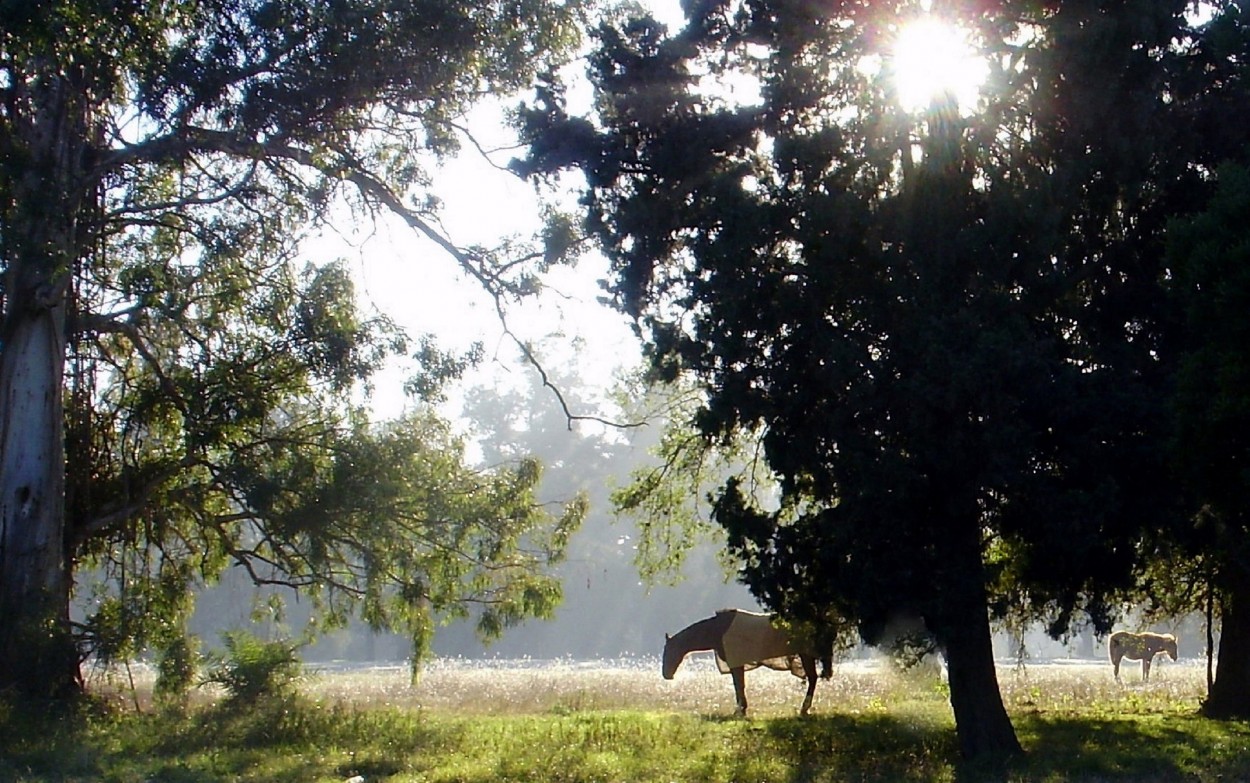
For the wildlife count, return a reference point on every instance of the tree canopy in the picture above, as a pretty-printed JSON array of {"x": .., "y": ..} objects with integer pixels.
[
  {"x": 175, "y": 386},
  {"x": 953, "y": 327}
]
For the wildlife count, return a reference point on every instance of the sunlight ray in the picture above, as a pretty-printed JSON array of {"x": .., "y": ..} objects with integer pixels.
[{"x": 931, "y": 57}]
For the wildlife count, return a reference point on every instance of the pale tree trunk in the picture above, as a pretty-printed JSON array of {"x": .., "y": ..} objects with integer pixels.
[
  {"x": 41, "y": 244},
  {"x": 38, "y": 659}
]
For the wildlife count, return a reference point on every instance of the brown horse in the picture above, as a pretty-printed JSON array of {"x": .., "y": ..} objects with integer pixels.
[
  {"x": 743, "y": 640},
  {"x": 1140, "y": 646}
]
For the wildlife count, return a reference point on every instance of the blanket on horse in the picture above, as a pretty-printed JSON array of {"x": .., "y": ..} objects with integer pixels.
[{"x": 752, "y": 640}]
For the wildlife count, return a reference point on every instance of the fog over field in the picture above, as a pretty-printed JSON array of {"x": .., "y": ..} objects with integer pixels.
[
  {"x": 866, "y": 685},
  {"x": 608, "y": 611}
]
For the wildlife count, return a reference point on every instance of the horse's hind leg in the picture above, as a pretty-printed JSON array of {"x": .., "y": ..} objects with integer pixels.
[{"x": 740, "y": 688}]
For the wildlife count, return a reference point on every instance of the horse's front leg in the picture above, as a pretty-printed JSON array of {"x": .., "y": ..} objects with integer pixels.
[
  {"x": 740, "y": 688},
  {"x": 807, "y": 700},
  {"x": 1145, "y": 668},
  {"x": 809, "y": 669}
]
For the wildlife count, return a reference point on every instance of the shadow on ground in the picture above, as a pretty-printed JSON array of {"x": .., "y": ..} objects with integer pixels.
[{"x": 1141, "y": 749}]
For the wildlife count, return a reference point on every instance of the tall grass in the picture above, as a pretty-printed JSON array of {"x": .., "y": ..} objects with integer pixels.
[{"x": 621, "y": 721}]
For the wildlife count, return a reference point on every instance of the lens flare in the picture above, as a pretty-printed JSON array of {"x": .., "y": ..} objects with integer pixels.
[{"x": 930, "y": 58}]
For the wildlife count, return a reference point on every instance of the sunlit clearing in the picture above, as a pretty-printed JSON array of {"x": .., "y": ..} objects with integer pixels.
[{"x": 932, "y": 57}]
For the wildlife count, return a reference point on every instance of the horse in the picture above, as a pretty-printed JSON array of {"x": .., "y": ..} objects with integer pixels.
[
  {"x": 744, "y": 640},
  {"x": 1140, "y": 646}
]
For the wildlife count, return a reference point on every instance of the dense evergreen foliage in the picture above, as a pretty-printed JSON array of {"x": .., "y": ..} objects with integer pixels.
[
  {"x": 1211, "y": 255},
  {"x": 955, "y": 328}
]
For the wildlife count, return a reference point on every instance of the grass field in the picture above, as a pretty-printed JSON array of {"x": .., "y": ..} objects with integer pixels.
[
  {"x": 857, "y": 687},
  {"x": 620, "y": 721}
]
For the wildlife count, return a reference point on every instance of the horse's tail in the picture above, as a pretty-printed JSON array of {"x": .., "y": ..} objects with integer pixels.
[{"x": 826, "y": 667}]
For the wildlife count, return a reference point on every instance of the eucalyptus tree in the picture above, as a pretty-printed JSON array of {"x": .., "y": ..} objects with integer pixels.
[
  {"x": 950, "y": 325},
  {"x": 160, "y": 163}
]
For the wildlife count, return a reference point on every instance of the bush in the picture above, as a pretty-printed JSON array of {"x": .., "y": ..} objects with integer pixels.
[
  {"x": 175, "y": 672},
  {"x": 252, "y": 670}
]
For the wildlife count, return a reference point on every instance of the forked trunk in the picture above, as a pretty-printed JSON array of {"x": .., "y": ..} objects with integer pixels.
[{"x": 1230, "y": 692}]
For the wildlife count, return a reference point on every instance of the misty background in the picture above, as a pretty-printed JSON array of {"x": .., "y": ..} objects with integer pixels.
[
  {"x": 505, "y": 412},
  {"x": 608, "y": 611}
]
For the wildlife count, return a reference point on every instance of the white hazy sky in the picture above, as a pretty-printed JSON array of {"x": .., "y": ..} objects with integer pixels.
[
  {"x": 414, "y": 282},
  {"x": 418, "y": 285}
]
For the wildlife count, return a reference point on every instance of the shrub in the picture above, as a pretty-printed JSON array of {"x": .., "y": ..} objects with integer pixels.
[
  {"x": 252, "y": 670},
  {"x": 175, "y": 671}
]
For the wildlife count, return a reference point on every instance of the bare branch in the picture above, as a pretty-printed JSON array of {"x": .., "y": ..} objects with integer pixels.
[{"x": 485, "y": 153}]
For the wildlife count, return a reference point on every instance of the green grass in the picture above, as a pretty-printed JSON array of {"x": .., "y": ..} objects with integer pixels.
[{"x": 1076, "y": 727}]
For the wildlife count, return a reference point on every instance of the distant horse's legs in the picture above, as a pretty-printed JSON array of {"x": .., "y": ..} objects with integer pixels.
[
  {"x": 1145, "y": 668},
  {"x": 809, "y": 669},
  {"x": 740, "y": 688},
  {"x": 1115, "y": 661}
]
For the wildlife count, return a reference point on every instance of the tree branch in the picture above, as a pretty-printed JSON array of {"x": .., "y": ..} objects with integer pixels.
[{"x": 346, "y": 169}]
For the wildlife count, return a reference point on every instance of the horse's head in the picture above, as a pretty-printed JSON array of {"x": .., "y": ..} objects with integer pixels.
[
  {"x": 672, "y": 658},
  {"x": 1169, "y": 645}
]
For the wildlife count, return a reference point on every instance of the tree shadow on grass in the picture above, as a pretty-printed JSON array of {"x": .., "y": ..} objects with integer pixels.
[
  {"x": 31, "y": 741},
  {"x": 861, "y": 747},
  {"x": 286, "y": 743},
  {"x": 1131, "y": 749},
  {"x": 278, "y": 742},
  {"x": 1156, "y": 748}
]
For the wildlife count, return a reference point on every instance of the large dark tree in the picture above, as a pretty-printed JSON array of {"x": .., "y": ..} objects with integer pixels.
[
  {"x": 1201, "y": 564},
  {"x": 1212, "y": 255},
  {"x": 160, "y": 163},
  {"x": 950, "y": 325}
]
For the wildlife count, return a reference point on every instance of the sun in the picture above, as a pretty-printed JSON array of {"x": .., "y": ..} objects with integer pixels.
[{"x": 931, "y": 57}]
